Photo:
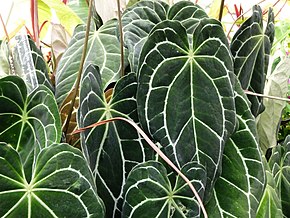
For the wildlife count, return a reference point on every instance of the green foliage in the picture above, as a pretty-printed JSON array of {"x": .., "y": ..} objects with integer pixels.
[{"x": 184, "y": 86}]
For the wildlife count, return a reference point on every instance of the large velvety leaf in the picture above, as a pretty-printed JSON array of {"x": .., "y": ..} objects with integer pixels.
[
  {"x": 185, "y": 97},
  {"x": 280, "y": 167},
  {"x": 268, "y": 121},
  {"x": 140, "y": 19},
  {"x": 114, "y": 148},
  {"x": 103, "y": 50},
  {"x": 239, "y": 189},
  {"x": 27, "y": 119},
  {"x": 251, "y": 48},
  {"x": 149, "y": 193},
  {"x": 61, "y": 185},
  {"x": 270, "y": 204}
]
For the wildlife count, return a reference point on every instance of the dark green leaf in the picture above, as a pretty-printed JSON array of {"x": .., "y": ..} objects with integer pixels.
[
  {"x": 149, "y": 193},
  {"x": 27, "y": 119},
  {"x": 185, "y": 97},
  {"x": 114, "y": 148},
  {"x": 61, "y": 185},
  {"x": 251, "y": 48},
  {"x": 280, "y": 167},
  {"x": 103, "y": 50},
  {"x": 240, "y": 187}
]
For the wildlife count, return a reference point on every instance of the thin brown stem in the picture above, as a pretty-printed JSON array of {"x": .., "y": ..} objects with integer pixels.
[
  {"x": 77, "y": 84},
  {"x": 266, "y": 96},
  {"x": 121, "y": 39},
  {"x": 157, "y": 150},
  {"x": 5, "y": 29},
  {"x": 221, "y": 10}
]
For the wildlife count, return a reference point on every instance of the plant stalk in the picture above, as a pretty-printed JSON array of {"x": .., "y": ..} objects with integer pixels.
[
  {"x": 156, "y": 149},
  {"x": 121, "y": 39},
  {"x": 221, "y": 10},
  {"x": 34, "y": 18},
  {"x": 266, "y": 96},
  {"x": 77, "y": 84}
]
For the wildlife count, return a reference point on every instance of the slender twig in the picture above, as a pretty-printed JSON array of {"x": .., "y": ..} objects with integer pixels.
[
  {"x": 77, "y": 84},
  {"x": 121, "y": 39},
  {"x": 221, "y": 10},
  {"x": 155, "y": 148},
  {"x": 4, "y": 28},
  {"x": 266, "y": 96}
]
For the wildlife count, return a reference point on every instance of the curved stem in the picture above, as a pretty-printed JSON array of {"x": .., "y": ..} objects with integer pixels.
[
  {"x": 156, "y": 149},
  {"x": 77, "y": 84}
]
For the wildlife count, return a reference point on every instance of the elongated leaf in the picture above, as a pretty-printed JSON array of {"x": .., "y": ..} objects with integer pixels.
[
  {"x": 185, "y": 96},
  {"x": 61, "y": 185},
  {"x": 27, "y": 119},
  {"x": 268, "y": 121},
  {"x": 280, "y": 167},
  {"x": 240, "y": 187},
  {"x": 140, "y": 19},
  {"x": 103, "y": 50},
  {"x": 41, "y": 68},
  {"x": 251, "y": 47},
  {"x": 149, "y": 193},
  {"x": 270, "y": 204},
  {"x": 114, "y": 148}
]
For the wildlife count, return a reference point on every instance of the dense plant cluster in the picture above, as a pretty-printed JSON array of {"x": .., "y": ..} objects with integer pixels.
[{"x": 67, "y": 151}]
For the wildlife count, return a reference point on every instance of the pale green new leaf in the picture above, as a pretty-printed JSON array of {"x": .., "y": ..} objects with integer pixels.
[
  {"x": 185, "y": 96},
  {"x": 150, "y": 193},
  {"x": 65, "y": 15},
  {"x": 61, "y": 184},
  {"x": 4, "y": 59},
  {"x": 240, "y": 187},
  {"x": 270, "y": 204},
  {"x": 114, "y": 148},
  {"x": 280, "y": 166},
  {"x": 268, "y": 121},
  {"x": 27, "y": 119},
  {"x": 103, "y": 50}
]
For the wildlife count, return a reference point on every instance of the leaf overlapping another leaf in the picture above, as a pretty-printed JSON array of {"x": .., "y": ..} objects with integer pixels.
[
  {"x": 103, "y": 50},
  {"x": 240, "y": 187},
  {"x": 150, "y": 193},
  {"x": 185, "y": 96},
  {"x": 61, "y": 184},
  {"x": 114, "y": 148},
  {"x": 251, "y": 47}
]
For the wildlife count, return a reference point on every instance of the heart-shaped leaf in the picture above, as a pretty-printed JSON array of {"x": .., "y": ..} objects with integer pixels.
[
  {"x": 280, "y": 166},
  {"x": 61, "y": 185},
  {"x": 114, "y": 148},
  {"x": 27, "y": 119},
  {"x": 150, "y": 193},
  {"x": 185, "y": 97},
  {"x": 140, "y": 19},
  {"x": 103, "y": 50},
  {"x": 251, "y": 47},
  {"x": 240, "y": 187}
]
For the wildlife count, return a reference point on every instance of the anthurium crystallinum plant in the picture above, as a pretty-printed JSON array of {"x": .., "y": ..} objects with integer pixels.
[{"x": 183, "y": 90}]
